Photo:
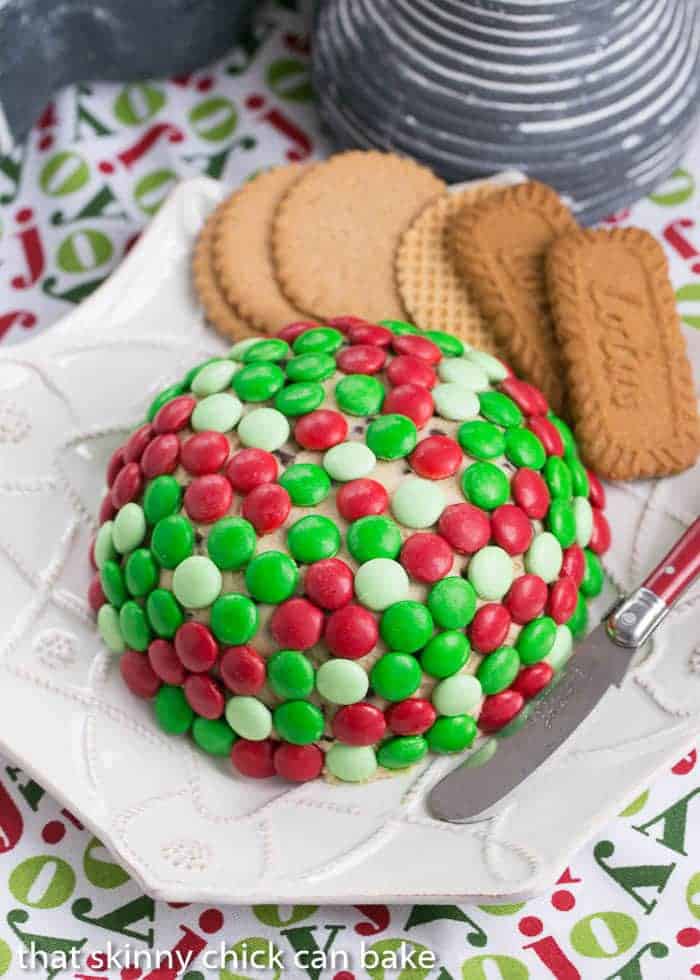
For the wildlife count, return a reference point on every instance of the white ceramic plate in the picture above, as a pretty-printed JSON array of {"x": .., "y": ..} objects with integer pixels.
[{"x": 183, "y": 824}]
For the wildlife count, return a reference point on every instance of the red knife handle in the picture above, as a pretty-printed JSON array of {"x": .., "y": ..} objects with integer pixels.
[{"x": 678, "y": 569}]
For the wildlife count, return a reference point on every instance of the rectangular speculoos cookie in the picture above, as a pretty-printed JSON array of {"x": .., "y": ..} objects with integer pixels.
[
  {"x": 500, "y": 245},
  {"x": 630, "y": 385}
]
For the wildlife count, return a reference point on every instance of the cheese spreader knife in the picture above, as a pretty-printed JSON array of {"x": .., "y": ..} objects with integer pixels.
[{"x": 600, "y": 661}]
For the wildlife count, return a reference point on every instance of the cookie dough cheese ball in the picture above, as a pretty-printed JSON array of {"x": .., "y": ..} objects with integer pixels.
[{"x": 334, "y": 551}]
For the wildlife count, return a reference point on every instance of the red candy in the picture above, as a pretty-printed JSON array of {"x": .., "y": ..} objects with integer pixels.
[
  {"x": 370, "y": 333},
  {"x": 410, "y": 717},
  {"x": 596, "y": 490},
  {"x": 530, "y": 492},
  {"x": 351, "y": 632},
  {"x": 196, "y": 647},
  {"x": 414, "y": 346},
  {"x": 547, "y": 434},
  {"x": 574, "y": 564},
  {"x": 242, "y": 670},
  {"x": 359, "y": 724},
  {"x": 137, "y": 442},
  {"x": 528, "y": 398},
  {"x": 526, "y": 598},
  {"x": 296, "y": 624},
  {"x": 206, "y": 452},
  {"x": 436, "y": 458},
  {"x": 254, "y": 759},
  {"x": 362, "y": 359},
  {"x": 359, "y": 498},
  {"x": 138, "y": 674},
  {"x": 563, "y": 596},
  {"x": 600, "y": 539},
  {"x": 533, "y": 679},
  {"x": 465, "y": 527},
  {"x": 329, "y": 583},
  {"x": 294, "y": 330},
  {"x": 511, "y": 529},
  {"x": 499, "y": 709},
  {"x": 267, "y": 507},
  {"x": 407, "y": 370},
  {"x": 116, "y": 461},
  {"x": 489, "y": 628},
  {"x": 413, "y": 401},
  {"x": 298, "y": 763},
  {"x": 165, "y": 662},
  {"x": 161, "y": 456},
  {"x": 127, "y": 485},
  {"x": 208, "y": 498},
  {"x": 426, "y": 557},
  {"x": 343, "y": 323},
  {"x": 107, "y": 509},
  {"x": 250, "y": 468},
  {"x": 174, "y": 415},
  {"x": 320, "y": 430},
  {"x": 204, "y": 696},
  {"x": 96, "y": 597}
]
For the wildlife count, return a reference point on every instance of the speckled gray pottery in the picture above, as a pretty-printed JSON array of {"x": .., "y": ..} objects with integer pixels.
[{"x": 597, "y": 98}]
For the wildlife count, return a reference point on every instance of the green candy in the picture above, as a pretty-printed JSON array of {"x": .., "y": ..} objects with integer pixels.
[
  {"x": 129, "y": 528},
  {"x": 264, "y": 428},
  {"x": 395, "y": 676},
  {"x": 310, "y": 367},
  {"x": 452, "y": 602},
  {"x": 213, "y": 735},
  {"x": 373, "y": 536},
  {"x": 449, "y": 345},
  {"x": 313, "y": 538},
  {"x": 237, "y": 352},
  {"x": 544, "y": 557},
  {"x": 173, "y": 713},
  {"x": 162, "y": 498},
  {"x": 299, "y": 398},
  {"x": 417, "y": 503},
  {"x": 579, "y": 478},
  {"x": 258, "y": 382},
  {"x": 451, "y": 734},
  {"x": 445, "y": 654},
  {"x": 196, "y": 582},
  {"x": 593, "y": 576},
  {"x": 558, "y": 477},
  {"x": 306, "y": 483},
  {"x": 231, "y": 543},
  {"x": 536, "y": 639},
  {"x": 113, "y": 586},
  {"x": 491, "y": 572},
  {"x": 172, "y": 540},
  {"x": 399, "y": 327},
  {"x": 140, "y": 573},
  {"x": 320, "y": 340},
  {"x": 104, "y": 545},
  {"x": 163, "y": 398},
  {"x": 523, "y": 448},
  {"x": 499, "y": 408},
  {"x": 460, "y": 371},
  {"x": 482, "y": 440},
  {"x": 164, "y": 613},
  {"x": 298, "y": 722},
  {"x": 272, "y": 577},
  {"x": 234, "y": 619},
  {"x": 249, "y": 718},
  {"x": 218, "y": 413},
  {"x": 359, "y": 394},
  {"x": 134, "y": 626},
  {"x": 406, "y": 626},
  {"x": 109, "y": 628},
  {"x": 349, "y": 461},
  {"x": 455, "y": 402},
  {"x": 351, "y": 763},
  {"x": 561, "y": 649},
  {"x": 562, "y": 522},
  {"x": 457, "y": 695},
  {"x": 392, "y": 436},
  {"x": 272, "y": 349},
  {"x": 567, "y": 436},
  {"x": 402, "y": 751},
  {"x": 583, "y": 519},
  {"x": 380, "y": 582},
  {"x": 190, "y": 376},
  {"x": 341, "y": 681},
  {"x": 212, "y": 378},
  {"x": 290, "y": 674},
  {"x": 498, "y": 670},
  {"x": 494, "y": 369},
  {"x": 485, "y": 485},
  {"x": 578, "y": 624}
]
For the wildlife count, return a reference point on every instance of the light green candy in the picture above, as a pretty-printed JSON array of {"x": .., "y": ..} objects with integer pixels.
[
  {"x": 463, "y": 372},
  {"x": 562, "y": 648},
  {"x": 490, "y": 365},
  {"x": 238, "y": 350},
  {"x": 380, "y": 582},
  {"x": 249, "y": 718},
  {"x": 217, "y": 413},
  {"x": 104, "y": 544},
  {"x": 196, "y": 582},
  {"x": 417, "y": 503},
  {"x": 349, "y": 461},
  {"x": 491, "y": 572},
  {"x": 129, "y": 528},
  {"x": 109, "y": 629},
  {"x": 264, "y": 428},
  {"x": 583, "y": 517},
  {"x": 454, "y": 401},
  {"x": 457, "y": 695},
  {"x": 342, "y": 681},
  {"x": 351, "y": 763},
  {"x": 213, "y": 378},
  {"x": 544, "y": 557}
]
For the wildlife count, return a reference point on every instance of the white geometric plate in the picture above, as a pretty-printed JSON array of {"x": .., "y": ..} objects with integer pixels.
[{"x": 182, "y": 823}]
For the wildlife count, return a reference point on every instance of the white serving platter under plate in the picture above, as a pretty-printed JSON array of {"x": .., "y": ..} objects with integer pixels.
[{"x": 183, "y": 824}]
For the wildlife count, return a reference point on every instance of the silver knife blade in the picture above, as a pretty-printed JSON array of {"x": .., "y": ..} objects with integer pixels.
[{"x": 468, "y": 792}]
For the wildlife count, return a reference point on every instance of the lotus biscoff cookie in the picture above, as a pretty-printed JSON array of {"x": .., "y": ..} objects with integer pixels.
[
  {"x": 500, "y": 246},
  {"x": 630, "y": 386}
]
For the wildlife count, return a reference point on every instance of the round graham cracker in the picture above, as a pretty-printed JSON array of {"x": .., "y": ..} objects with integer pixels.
[
  {"x": 241, "y": 249},
  {"x": 336, "y": 231},
  {"x": 432, "y": 289}
]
